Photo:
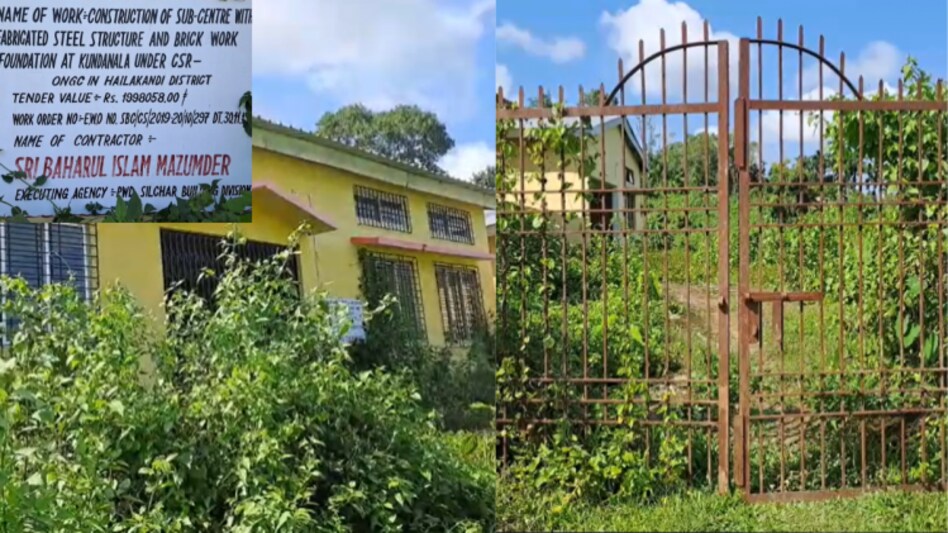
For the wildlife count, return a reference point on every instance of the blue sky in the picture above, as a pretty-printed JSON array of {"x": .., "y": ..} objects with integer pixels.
[
  {"x": 314, "y": 56},
  {"x": 559, "y": 42}
]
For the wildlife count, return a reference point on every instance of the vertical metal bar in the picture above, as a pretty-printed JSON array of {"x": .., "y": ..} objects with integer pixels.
[
  {"x": 604, "y": 244},
  {"x": 687, "y": 214},
  {"x": 822, "y": 277},
  {"x": 939, "y": 117},
  {"x": 722, "y": 422},
  {"x": 901, "y": 331},
  {"x": 665, "y": 217},
  {"x": 724, "y": 286},
  {"x": 584, "y": 186},
  {"x": 564, "y": 256},
  {"x": 744, "y": 260},
  {"x": 543, "y": 247},
  {"x": 522, "y": 150},
  {"x": 842, "y": 273},
  {"x": 862, "y": 288},
  {"x": 879, "y": 264},
  {"x": 645, "y": 238},
  {"x": 801, "y": 350}
]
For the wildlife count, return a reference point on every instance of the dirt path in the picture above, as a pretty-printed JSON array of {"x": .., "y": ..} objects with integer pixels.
[{"x": 695, "y": 300}]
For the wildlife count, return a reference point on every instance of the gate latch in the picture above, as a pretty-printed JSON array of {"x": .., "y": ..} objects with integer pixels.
[{"x": 755, "y": 301}]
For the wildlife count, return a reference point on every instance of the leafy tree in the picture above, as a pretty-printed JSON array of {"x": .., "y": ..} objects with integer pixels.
[
  {"x": 486, "y": 178},
  {"x": 909, "y": 143},
  {"x": 702, "y": 156},
  {"x": 404, "y": 133}
]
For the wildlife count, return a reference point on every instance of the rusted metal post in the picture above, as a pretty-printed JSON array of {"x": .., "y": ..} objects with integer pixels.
[
  {"x": 724, "y": 287},
  {"x": 742, "y": 467}
]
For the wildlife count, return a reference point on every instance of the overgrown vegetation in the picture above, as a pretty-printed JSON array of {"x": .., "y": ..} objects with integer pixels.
[
  {"x": 458, "y": 384},
  {"x": 522, "y": 509},
  {"x": 249, "y": 420},
  {"x": 579, "y": 299}
]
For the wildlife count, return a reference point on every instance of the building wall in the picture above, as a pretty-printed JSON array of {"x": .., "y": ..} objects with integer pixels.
[
  {"x": 572, "y": 200},
  {"x": 130, "y": 254},
  {"x": 334, "y": 264}
]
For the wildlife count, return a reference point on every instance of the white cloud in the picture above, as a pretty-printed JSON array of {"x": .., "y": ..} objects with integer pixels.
[
  {"x": 642, "y": 22},
  {"x": 558, "y": 49},
  {"x": 878, "y": 60},
  {"x": 466, "y": 159},
  {"x": 504, "y": 79},
  {"x": 378, "y": 53}
]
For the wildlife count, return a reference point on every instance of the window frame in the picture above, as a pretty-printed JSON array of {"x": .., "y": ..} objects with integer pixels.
[
  {"x": 380, "y": 209},
  {"x": 267, "y": 250},
  {"x": 47, "y": 273},
  {"x": 89, "y": 282},
  {"x": 462, "y": 221},
  {"x": 472, "y": 321},
  {"x": 417, "y": 299}
]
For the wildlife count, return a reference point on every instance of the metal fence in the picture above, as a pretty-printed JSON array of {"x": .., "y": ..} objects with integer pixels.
[{"x": 633, "y": 224}]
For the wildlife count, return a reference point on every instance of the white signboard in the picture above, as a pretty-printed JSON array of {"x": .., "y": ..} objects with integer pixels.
[
  {"x": 105, "y": 97},
  {"x": 356, "y": 321}
]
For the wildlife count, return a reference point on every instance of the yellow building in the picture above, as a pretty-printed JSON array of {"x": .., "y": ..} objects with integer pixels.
[
  {"x": 425, "y": 232},
  {"x": 606, "y": 194}
]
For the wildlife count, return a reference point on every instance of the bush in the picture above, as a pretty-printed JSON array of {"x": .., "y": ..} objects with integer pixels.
[
  {"x": 249, "y": 421},
  {"x": 458, "y": 385}
]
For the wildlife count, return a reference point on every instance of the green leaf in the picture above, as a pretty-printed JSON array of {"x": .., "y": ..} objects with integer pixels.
[
  {"x": 117, "y": 407},
  {"x": 121, "y": 209},
  {"x": 134, "y": 208},
  {"x": 912, "y": 334}
]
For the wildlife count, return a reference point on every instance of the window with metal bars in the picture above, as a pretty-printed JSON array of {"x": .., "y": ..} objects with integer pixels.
[
  {"x": 50, "y": 253},
  {"x": 462, "y": 306},
  {"x": 601, "y": 210},
  {"x": 382, "y": 210},
  {"x": 398, "y": 276},
  {"x": 450, "y": 224},
  {"x": 184, "y": 256}
]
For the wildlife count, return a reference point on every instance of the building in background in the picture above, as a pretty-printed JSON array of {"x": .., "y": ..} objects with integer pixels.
[
  {"x": 605, "y": 196},
  {"x": 424, "y": 233}
]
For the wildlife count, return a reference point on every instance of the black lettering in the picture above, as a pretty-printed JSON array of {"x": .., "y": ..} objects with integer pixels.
[
  {"x": 28, "y": 141},
  {"x": 224, "y": 38},
  {"x": 23, "y": 119}
]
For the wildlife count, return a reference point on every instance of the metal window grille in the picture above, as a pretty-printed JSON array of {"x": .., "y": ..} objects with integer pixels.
[
  {"x": 450, "y": 224},
  {"x": 399, "y": 277},
  {"x": 50, "y": 253},
  {"x": 382, "y": 209},
  {"x": 601, "y": 209},
  {"x": 462, "y": 309},
  {"x": 184, "y": 256}
]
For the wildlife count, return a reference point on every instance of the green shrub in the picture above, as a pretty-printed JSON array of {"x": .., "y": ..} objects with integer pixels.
[
  {"x": 249, "y": 421},
  {"x": 457, "y": 384}
]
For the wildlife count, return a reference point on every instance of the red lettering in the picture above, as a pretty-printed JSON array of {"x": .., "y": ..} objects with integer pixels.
[{"x": 225, "y": 166}]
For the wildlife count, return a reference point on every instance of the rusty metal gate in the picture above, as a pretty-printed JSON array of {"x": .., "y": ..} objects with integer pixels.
[{"x": 624, "y": 249}]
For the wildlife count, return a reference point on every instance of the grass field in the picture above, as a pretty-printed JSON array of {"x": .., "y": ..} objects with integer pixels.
[{"x": 893, "y": 511}]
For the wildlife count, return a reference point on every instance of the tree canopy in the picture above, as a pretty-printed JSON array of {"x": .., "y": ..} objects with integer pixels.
[
  {"x": 405, "y": 133},
  {"x": 486, "y": 178}
]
